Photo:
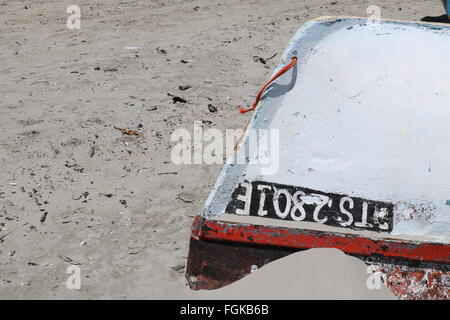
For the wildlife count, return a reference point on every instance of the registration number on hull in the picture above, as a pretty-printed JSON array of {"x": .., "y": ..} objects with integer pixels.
[{"x": 294, "y": 203}]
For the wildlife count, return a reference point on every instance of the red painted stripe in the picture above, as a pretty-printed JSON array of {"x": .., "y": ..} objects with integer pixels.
[{"x": 306, "y": 239}]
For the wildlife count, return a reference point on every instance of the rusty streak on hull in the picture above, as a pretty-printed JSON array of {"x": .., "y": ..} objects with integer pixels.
[{"x": 205, "y": 229}]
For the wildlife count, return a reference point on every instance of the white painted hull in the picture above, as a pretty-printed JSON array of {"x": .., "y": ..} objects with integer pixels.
[{"x": 367, "y": 117}]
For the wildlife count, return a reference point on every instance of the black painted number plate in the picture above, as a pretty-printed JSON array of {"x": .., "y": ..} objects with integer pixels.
[{"x": 293, "y": 203}]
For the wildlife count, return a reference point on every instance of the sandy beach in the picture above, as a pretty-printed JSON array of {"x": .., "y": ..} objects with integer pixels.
[{"x": 86, "y": 117}]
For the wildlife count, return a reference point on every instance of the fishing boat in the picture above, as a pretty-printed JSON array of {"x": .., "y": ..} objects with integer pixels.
[{"x": 348, "y": 147}]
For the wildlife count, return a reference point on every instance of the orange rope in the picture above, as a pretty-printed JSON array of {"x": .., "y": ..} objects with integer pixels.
[{"x": 277, "y": 75}]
